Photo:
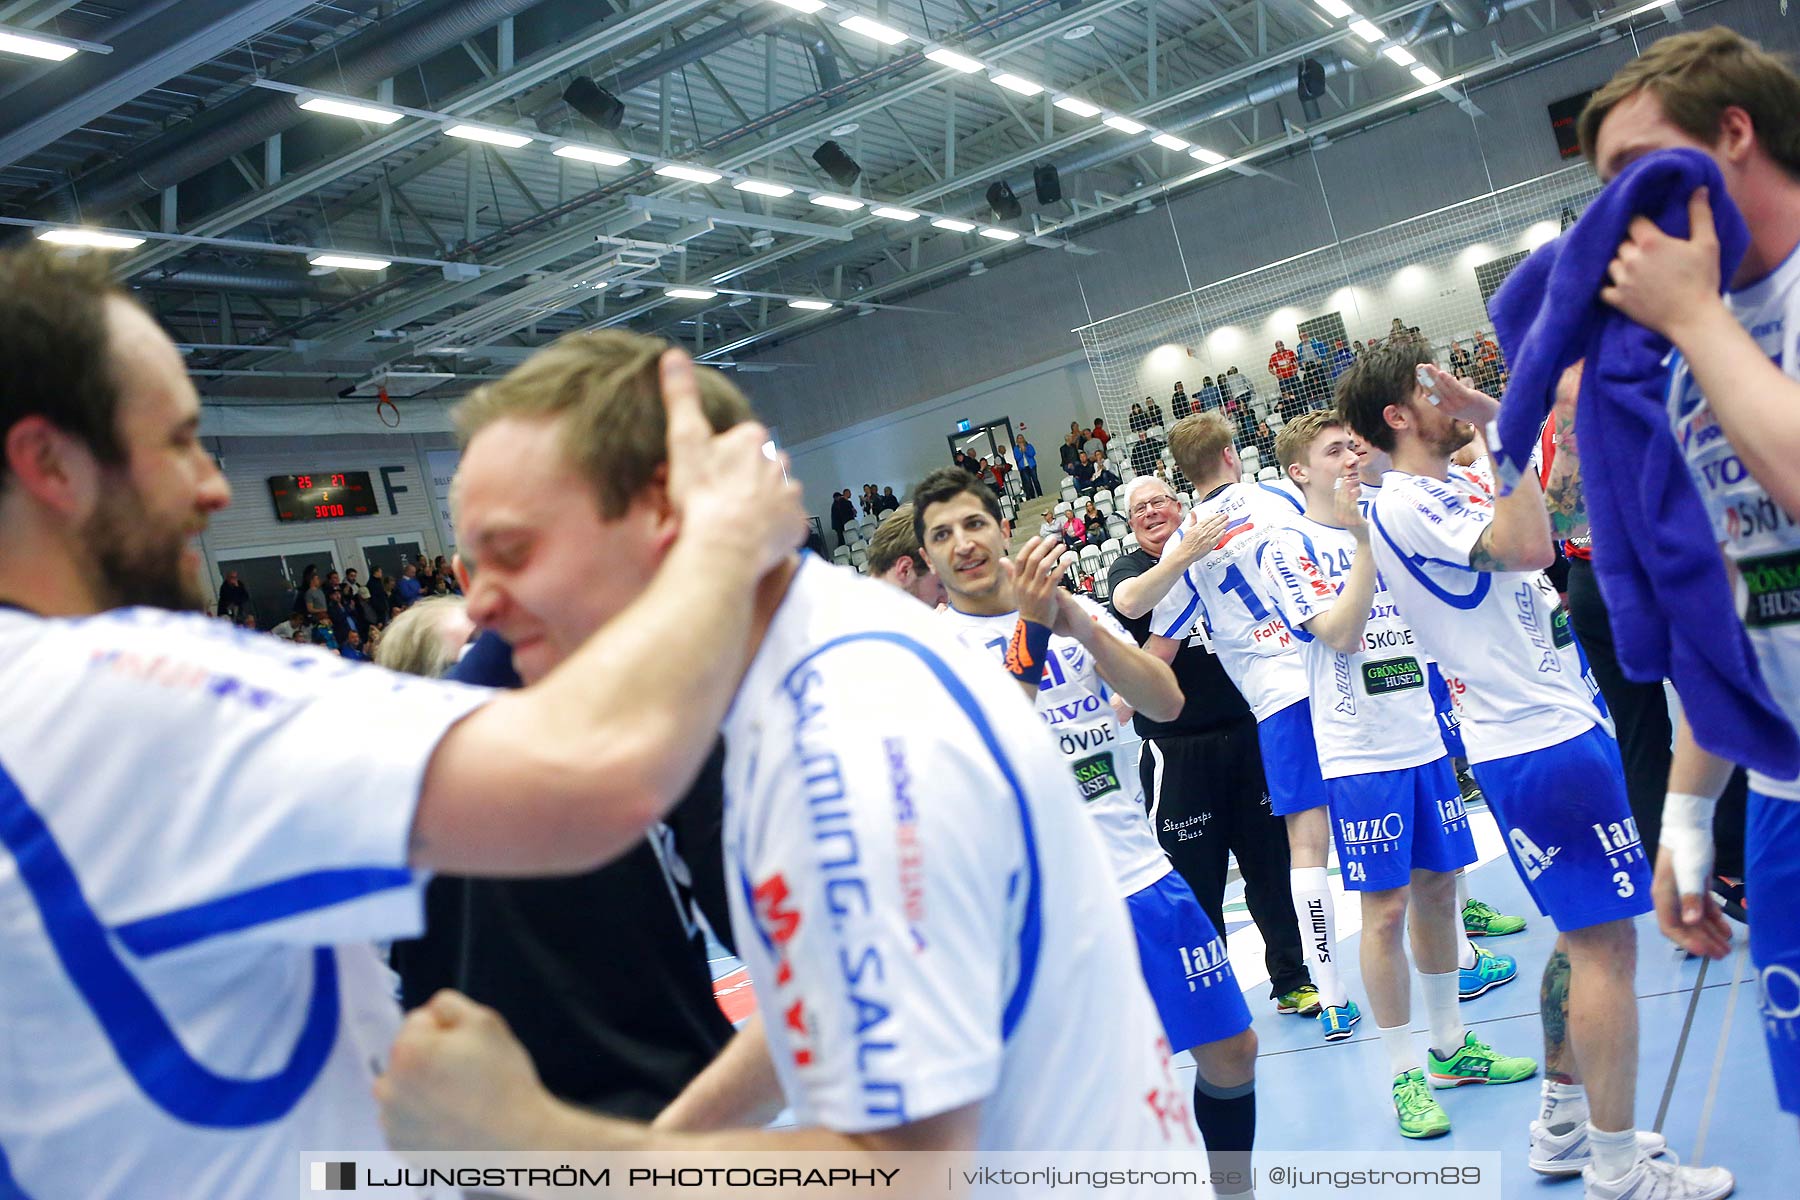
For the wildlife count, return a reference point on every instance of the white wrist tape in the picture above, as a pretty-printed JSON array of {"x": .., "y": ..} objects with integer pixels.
[{"x": 1687, "y": 833}]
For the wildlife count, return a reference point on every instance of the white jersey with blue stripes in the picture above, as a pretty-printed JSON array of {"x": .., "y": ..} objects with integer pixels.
[
  {"x": 196, "y": 855},
  {"x": 925, "y": 910},
  {"x": 1077, "y": 708},
  {"x": 1224, "y": 598},
  {"x": 1495, "y": 632},
  {"x": 1760, "y": 538},
  {"x": 1371, "y": 709}
]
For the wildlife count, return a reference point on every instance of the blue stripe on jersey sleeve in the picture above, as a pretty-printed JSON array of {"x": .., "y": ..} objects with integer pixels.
[
  {"x": 141, "y": 1036},
  {"x": 257, "y": 906},
  {"x": 1288, "y": 496},
  {"x": 1031, "y": 931},
  {"x": 1414, "y": 566},
  {"x": 1187, "y": 611}
]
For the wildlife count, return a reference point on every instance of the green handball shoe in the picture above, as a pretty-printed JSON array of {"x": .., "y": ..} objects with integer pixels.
[
  {"x": 1484, "y": 920},
  {"x": 1476, "y": 1062},
  {"x": 1421, "y": 1116}
]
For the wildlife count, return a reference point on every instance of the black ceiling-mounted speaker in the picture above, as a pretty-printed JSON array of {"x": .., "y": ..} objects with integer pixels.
[
  {"x": 1310, "y": 81},
  {"x": 1047, "y": 182},
  {"x": 835, "y": 163},
  {"x": 1000, "y": 198},
  {"x": 595, "y": 103}
]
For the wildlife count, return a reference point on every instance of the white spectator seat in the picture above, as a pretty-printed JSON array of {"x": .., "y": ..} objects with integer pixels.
[
  {"x": 860, "y": 559},
  {"x": 867, "y": 525},
  {"x": 1119, "y": 496},
  {"x": 1006, "y": 507},
  {"x": 1104, "y": 502},
  {"x": 1268, "y": 475},
  {"x": 841, "y": 554},
  {"x": 1129, "y": 543},
  {"x": 1159, "y": 433},
  {"x": 1127, "y": 473},
  {"x": 1110, "y": 549},
  {"x": 1102, "y": 587},
  {"x": 1063, "y": 508},
  {"x": 1067, "y": 488},
  {"x": 1117, "y": 527},
  {"x": 1090, "y": 560}
]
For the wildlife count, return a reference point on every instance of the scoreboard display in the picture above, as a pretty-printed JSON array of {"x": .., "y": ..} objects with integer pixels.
[{"x": 324, "y": 496}]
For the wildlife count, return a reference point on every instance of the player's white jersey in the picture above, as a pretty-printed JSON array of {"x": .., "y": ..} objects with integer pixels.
[
  {"x": 1761, "y": 539},
  {"x": 1223, "y": 596},
  {"x": 1076, "y": 705},
  {"x": 924, "y": 908},
  {"x": 1371, "y": 710},
  {"x": 196, "y": 853},
  {"x": 1492, "y": 630}
]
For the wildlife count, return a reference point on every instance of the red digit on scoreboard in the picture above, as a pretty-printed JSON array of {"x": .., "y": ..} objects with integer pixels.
[{"x": 303, "y": 481}]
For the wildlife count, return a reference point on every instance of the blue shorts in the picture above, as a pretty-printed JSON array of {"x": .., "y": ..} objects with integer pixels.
[
  {"x": 1391, "y": 823},
  {"x": 1291, "y": 760},
  {"x": 1184, "y": 964},
  {"x": 1448, "y": 719},
  {"x": 1570, "y": 830},
  {"x": 1772, "y": 885}
]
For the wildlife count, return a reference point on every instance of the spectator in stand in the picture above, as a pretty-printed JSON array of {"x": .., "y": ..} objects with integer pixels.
[
  {"x": 1071, "y": 454},
  {"x": 1139, "y": 419},
  {"x": 1025, "y": 454},
  {"x": 843, "y": 511},
  {"x": 1100, "y": 432},
  {"x": 285, "y": 630},
  {"x": 1359, "y": 349},
  {"x": 1156, "y": 413},
  {"x": 248, "y": 621},
  {"x": 337, "y": 615},
  {"x": 1145, "y": 454},
  {"x": 352, "y": 647},
  {"x": 1342, "y": 359},
  {"x": 1397, "y": 334},
  {"x": 310, "y": 598},
  {"x": 408, "y": 590},
  {"x": 1284, "y": 365},
  {"x": 1460, "y": 357},
  {"x": 1239, "y": 387},
  {"x": 1207, "y": 398},
  {"x": 234, "y": 597},
  {"x": 1074, "y": 531},
  {"x": 886, "y": 503},
  {"x": 1179, "y": 402},
  {"x": 1104, "y": 476},
  {"x": 1081, "y": 435},
  {"x": 1264, "y": 437},
  {"x": 1487, "y": 370},
  {"x": 378, "y": 597},
  {"x": 1095, "y": 521},
  {"x": 1000, "y": 469},
  {"x": 1292, "y": 404}
]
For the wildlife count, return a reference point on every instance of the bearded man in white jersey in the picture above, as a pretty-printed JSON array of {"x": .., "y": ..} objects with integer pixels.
[
  {"x": 1071, "y": 658},
  {"x": 1736, "y": 371},
  {"x": 1220, "y": 595},
  {"x": 195, "y": 861},
  {"x": 1397, "y": 812},
  {"x": 1462, "y": 567},
  {"x": 921, "y": 903}
]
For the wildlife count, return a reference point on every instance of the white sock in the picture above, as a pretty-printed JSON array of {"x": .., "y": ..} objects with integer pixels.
[
  {"x": 1462, "y": 892},
  {"x": 1563, "y": 1105},
  {"x": 1318, "y": 932},
  {"x": 1465, "y": 959},
  {"x": 1398, "y": 1044},
  {"x": 1447, "y": 1030},
  {"x": 1614, "y": 1153}
]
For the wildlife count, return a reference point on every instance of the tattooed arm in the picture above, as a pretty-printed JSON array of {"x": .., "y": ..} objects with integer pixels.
[{"x": 1562, "y": 486}]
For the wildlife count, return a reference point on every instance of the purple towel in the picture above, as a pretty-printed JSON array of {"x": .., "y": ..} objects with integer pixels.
[{"x": 1655, "y": 556}]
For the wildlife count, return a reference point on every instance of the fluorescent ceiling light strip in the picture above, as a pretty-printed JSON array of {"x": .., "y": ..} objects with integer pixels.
[
  {"x": 691, "y": 174},
  {"x": 1366, "y": 31},
  {"x": 493, "y": 137},
  {"x": 1401, "y": 55},
  {"x": 1337, "y": 10},
  {"x": 954, "y": 225},
  {"x": 842, "y": 203},
  {"x": 605, "y": 158},
  {"x": 1124, "y": 124},
  {"x": 1210, "y": 157},
  {"x": 946, "y": 57},
  {"x": 895, "y": 214},
  {"x": 1169, "y": 141},
  {"x": 758, "y": 187},
  {"x": 1017, "y": 83},
  {"x": 351, "y": 109},
  {"x": 1081, "y": 108},
  {"x": 685, "y": 293},
  {"x": 350, "y": 262},
  {"x": 874, "y": 30},
  {"x": 805, "y": 6},
  {"x": 35, "y": 47},
  {"x": 810, "y": 305},
  {"x": 1426, "y": 75},
  {"x": 1001, "y": 235},
  {"x": 90, "y": 237}
]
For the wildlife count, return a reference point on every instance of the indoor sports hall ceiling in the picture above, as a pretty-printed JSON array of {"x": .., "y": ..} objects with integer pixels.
[{"x": 180, "y": 122}]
